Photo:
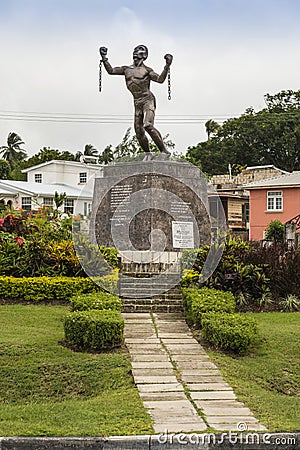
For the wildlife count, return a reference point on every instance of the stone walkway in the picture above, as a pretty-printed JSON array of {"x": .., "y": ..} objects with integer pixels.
[{"x": 180, "y": 387}]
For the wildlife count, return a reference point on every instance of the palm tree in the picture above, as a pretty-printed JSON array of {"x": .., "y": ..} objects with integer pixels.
[
  {"x": 12, "y": 152},
  {"x": 90, "y": 150},
  {"x": 58, "y": 201},
  {"x": 211, "y": 128}
]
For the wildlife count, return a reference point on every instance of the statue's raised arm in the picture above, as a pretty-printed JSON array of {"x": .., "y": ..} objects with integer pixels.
[
  {"x": 111, "y": 70},
  {"x": 161, "y": 78}
]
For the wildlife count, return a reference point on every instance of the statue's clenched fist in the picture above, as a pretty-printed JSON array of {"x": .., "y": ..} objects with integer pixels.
[
  {"x": 169, "y": 59},
  {"x": 103, "y": 52}
]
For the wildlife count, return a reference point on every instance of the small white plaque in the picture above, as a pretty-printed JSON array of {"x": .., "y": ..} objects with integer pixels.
[{"x": 183, "y": 234}]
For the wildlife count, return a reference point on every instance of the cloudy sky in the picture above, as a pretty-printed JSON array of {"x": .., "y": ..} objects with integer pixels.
[{"x": 227, "y": 55}]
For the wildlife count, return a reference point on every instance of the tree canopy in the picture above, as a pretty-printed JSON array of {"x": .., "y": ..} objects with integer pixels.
[{"x": 269, "y": 136}]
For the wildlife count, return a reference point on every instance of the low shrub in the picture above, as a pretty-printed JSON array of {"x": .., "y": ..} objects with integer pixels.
[
  {"x": 234, "y": 273},
  {"x": 45, "y": 289},
  {"x": 94, "y": 330},
  {"x": 233, "y": 332},
  {"x": 97, "y": 300},
  {"x": 290, "y": 303},
  {"x": 200, "y": 301}
]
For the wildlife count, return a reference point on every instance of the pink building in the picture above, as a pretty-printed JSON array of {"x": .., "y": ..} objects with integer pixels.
[{"x": 274, "y": 198}]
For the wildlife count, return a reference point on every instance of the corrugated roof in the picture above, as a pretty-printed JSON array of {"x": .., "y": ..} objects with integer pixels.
[
  {"x": 267, "y": 166},
  {"x": 288, "y": 180},
  {"x": 62, "y": 162},
  {"x": 43, "y": 188}
]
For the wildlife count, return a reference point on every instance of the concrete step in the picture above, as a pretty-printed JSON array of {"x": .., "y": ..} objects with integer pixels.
[
  {"x": 147, "y": 293},
  {"x": 154, "y": 307},
  {"x": 148, "y": 282},
  {"x": 146, "y": 275},
  {"x": 151, "y": 301}
]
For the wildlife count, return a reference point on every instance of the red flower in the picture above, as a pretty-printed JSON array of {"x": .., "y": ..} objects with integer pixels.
[
  {"x": 19, "y": 241},
  {"x": 1, "y": 221}
]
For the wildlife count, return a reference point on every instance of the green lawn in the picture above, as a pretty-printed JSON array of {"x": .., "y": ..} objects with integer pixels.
[
  {"x": 268, "y": 380},
  {"x": 47, "y": 389}
]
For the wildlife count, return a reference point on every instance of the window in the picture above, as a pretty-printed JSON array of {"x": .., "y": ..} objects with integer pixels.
[
  {"x": 274, "y": 201},
  {"x": 47, "y": 201},
  {"x": 26, "y": 203},
  {"x": 69, "y": 206},
  {"x": 246, "y": 212},
  {"x": 86, "y": 209},
  {"x": 82, "y": 177},
  {"x": 38, "y": 178}
]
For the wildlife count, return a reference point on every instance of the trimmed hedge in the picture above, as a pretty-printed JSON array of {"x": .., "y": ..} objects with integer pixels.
[
  {"x": 97, "y": 300},
  {"x": 234, "y": 332},
  {"x": 94, "y": 330},
  {"x": 38, "y": 289},
  {"x": 197, "y": 302}
]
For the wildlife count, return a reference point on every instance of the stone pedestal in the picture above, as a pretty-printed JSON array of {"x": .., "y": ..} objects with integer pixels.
[{"x": 153, "y": 206}]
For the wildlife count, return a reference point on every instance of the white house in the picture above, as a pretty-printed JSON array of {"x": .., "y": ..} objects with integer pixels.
[
  {"x": 71, "y": 173},
  {"x": 70, "y": 177}
]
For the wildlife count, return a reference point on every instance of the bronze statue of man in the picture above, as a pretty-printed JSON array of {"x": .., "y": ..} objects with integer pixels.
[{"x": 138, "y": 77}]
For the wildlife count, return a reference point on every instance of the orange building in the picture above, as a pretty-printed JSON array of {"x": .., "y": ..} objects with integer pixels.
[{"x": 274, "y": 198}]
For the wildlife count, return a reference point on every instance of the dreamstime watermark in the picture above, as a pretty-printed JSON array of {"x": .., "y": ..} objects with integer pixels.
[
  {"x": 184, "y": 210},
  {"x": 241, "y": 436}
]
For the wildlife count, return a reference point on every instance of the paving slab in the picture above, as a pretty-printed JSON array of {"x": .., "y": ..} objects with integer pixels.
[
  {"x": 193, "y": 368},
  {"x": 231, "y": 427},
  {"x": 153, "y": 372},
  {"x": 161, "y": 387},
  {"x": 150, "y": 357},
  {"x": 136, "y": 321},
  {"x": 189, "y": 353},
  {"x": 139, "y": 326},
  {"x": 132, "y": 334},
  {"x": 162, "y": 396},
  {"x": 171, "y": 405},
  {"x": 167, "y": 335},
  {"x": 176, "y": 341},
  {"x": 223, "y": 404},
  {"x": 203, "y": 378},
  {"x": 171, "y": 329},
  {"x": 129, "y": 316},
  {"x": 221, "y": 410},
  {"x": 179, "y": 427},
  {"x": 190, "y": 358},
  {"x": 146, "y": 350},
  {"x": 152, "y": 365},
  {"x": 185, "y": 366},
  {"x": 213, "y": 395},
  {"x": 155, "y": 379},
  {"x": 234, "y": 420},
  {"x": 164, "y": 416},
  {"x": 141, "y": 333},
  {"x": 141, "y": 340},
  {"x": 145, "y": 346},
  {"x": 208, "y": 387},
  {"x": 188, "y": 364}
]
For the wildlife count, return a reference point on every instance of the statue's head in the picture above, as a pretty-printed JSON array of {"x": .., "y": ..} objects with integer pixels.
[{"x": 140, "y": 52}]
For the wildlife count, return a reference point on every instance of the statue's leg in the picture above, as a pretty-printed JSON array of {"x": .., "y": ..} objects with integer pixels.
[
  {"x": 140, "y": 132},
  {"x": 153, "y": 132}
]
